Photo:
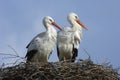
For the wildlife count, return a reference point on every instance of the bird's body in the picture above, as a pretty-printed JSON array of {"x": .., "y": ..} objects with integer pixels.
[
  {"x": 40, "y": 48},
  {"x": 69, "y": 40}
]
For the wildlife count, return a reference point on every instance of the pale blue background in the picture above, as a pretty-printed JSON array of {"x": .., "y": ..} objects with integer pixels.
[{"x": 21, "y": 20}]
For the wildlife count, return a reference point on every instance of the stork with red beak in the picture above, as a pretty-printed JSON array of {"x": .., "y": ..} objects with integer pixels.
[
  {"x": 41, "y": 46},
  {"x": 69, "y": 39}
]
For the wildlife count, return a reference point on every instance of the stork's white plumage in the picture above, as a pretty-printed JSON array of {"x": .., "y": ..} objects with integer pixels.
[
  {"x": 41, "y": 46},
  {"x": 69, "y": 39}
]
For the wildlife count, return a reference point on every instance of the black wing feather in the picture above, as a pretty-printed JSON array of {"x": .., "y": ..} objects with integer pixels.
[
  {"x": 30, "y": 55},
  {"x": 57, "y": 51},
  {"x": 75, "y": 54},
  {"x": 27, "y": 45}
]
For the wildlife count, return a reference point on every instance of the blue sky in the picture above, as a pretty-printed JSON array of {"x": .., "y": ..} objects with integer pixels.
[{"x": 21, "y": 20}]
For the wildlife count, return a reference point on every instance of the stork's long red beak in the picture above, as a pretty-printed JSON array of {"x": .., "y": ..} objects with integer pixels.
[
  {"x": 54, "y": 24},
  {"x": 80, "y": 23}
]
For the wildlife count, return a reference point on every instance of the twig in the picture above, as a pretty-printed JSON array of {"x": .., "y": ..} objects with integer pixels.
[
  {"x": 13, "y": 50},
  {"x": 16, "y": 55},
  {"x": 8, "y": 54},
  {"x": 16, "y": 61},
  {"x": 87, "y": 53}
]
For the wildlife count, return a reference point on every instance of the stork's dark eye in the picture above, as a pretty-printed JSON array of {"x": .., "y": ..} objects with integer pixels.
[
  {"x": 50, "y": 20},
  {"x": 76, "y": 17}
]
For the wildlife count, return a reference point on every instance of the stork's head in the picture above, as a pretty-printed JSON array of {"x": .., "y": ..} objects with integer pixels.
[
  {"x": 49, "y": 21},
  {"x": 73, "y": 19}
]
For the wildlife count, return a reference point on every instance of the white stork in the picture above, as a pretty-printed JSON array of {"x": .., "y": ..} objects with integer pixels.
[
  {"x": 69, "y": 39},
  {"x": 41, "y": 46}
]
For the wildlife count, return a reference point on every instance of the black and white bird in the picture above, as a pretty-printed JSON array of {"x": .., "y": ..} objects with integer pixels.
[
  {"x": 69, "y": 38},
  {"x": 41, "y": 46}
]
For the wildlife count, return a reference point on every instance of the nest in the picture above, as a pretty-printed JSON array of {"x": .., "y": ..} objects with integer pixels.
[{"x": 81, "y": 70}]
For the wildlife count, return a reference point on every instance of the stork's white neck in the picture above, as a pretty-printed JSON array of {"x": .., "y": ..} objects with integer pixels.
[
  {"x": 76, "y": 26},
  {"x": 50, "y": 29}
]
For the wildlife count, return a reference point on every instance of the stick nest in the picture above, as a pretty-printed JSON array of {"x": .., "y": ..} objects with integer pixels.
[{"x": 81, "y": 70}]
